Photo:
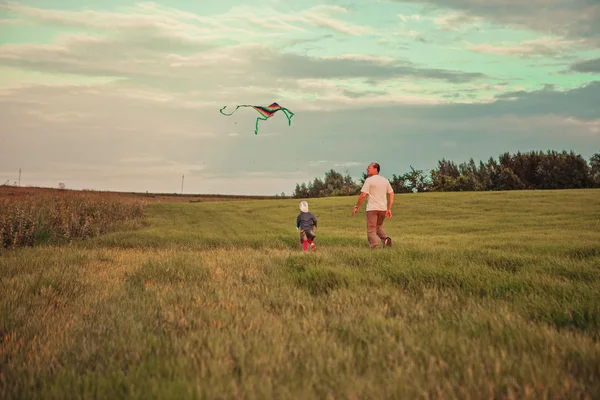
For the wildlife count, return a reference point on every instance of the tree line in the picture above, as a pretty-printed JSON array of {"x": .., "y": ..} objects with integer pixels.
[{"x": 520, "y": 171}]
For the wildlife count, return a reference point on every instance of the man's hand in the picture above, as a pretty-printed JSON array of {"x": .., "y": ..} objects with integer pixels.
[
  {"x": 388, "y": 213},
  {"x": 361, "y": 198}
]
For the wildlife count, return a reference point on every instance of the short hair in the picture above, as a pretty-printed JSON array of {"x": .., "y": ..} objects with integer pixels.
[{"x": 376, "y": 166}]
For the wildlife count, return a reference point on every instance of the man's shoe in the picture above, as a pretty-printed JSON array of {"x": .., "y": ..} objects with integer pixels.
[
  {"x": 313, "y": 247},
  {"x": 388, "y": 241}
]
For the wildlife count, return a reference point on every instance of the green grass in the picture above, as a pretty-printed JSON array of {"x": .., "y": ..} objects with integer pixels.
[{"x": 483, "y": 295}]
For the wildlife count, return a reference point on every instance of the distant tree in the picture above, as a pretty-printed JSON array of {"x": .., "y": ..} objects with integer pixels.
[
  {"x": 301, "y": 191},
  {"x": 594, "y": 170},
  {"x": 508, "y": 180},
  {"x": 532, "y": 170},
  {"x": 350, "y": 187},
  {"x": 399, "y": 184},
  {"x": 448, "y": 168},
  {"x": 417, "y": 181},
  {"x": 467, "y": 183},
  {"x": 334, "y": 182},
  {"x": 317, "y": 188},
  {"x": 468, "y": 179},
  {"x": 363, "y": 178},
  {"x": 505, "y": 161},
  {"x": 444, "y": 177},
  {"x": 576, "y": 171},
  {"x": 484, "y": 176},
  {"x": 562, "y": 171},
  {"x": 441, "y": 182}
]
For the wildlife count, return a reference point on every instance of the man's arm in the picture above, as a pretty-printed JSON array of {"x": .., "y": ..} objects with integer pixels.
[
  {"x": 361, "y": 198},
  {"x": 388, "y": 213}
]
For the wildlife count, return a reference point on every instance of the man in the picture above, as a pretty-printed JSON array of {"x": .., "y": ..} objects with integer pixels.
[{"x": 378, "y": 207}]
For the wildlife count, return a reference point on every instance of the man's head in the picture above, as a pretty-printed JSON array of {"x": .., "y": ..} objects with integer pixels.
[{"x": 373, "y": 169}]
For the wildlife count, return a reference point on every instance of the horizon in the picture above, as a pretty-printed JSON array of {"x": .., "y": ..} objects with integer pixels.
[
  {"x": 125, "y": 96},
  {"x": 427, "y": 174}
]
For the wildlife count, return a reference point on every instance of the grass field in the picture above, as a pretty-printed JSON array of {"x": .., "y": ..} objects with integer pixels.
[{"x": 483, "y": 295}]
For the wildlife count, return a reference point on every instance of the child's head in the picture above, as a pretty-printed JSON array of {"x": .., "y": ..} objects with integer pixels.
[{"x": 304, "y": 206}]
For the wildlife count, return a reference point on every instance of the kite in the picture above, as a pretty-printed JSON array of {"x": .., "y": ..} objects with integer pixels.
[{"x": 266, "y": 113}]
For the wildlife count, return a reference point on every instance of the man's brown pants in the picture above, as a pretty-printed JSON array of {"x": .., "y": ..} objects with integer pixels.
[{"x": 375, "y": 228}]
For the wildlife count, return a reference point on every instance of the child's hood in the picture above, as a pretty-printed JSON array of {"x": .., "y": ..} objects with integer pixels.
[{"x": 304, "y": 206}]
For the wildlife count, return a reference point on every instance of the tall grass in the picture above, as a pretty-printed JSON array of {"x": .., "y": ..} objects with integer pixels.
[
  {"x": 483, "y": 295},
  {"x": 62, "y": 216}
]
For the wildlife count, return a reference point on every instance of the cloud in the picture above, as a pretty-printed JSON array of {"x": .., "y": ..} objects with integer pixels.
[
  {"x": 321, "y": 16},
  {"x": 58, "y": 116},
  {"x": 239, "y": 20},
  {"x": 406, "y": 18},
  {"x": 134, "y": 143},
  {"x": 456, "y": 20},
  {"x": 359, "y": 67},
  {"x": 155, "y": 77},
  {"x": 12, "y": 21},
  {"x": 578, "y": 19},
  {"x": 347, "y": 164},
  {"x": 361, "y": 94},
  {"x": 99, "y": 57},
  {"x": 588, "y": 66},
  {"x": 546, "y": 46},
  {"x": 579, "y": 104},
  {"x": 150, "y": 48},
  {"x": 146, "y": 17},
  {"x": 255, "y": 69}
]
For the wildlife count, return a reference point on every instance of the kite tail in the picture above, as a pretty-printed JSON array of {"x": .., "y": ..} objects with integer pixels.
[
  {"x": 288, "y": 115},
  {"x": 259, "y": 119},
  {"x": 221, "y": 110}
]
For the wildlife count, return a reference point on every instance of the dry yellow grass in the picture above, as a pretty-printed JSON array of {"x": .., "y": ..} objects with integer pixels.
[{"x": 28, "y": 217}]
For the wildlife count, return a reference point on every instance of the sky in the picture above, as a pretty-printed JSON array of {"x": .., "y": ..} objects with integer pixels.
[{"x": 125, "y": 95}]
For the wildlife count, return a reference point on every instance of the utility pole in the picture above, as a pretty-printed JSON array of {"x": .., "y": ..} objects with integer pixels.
[
  {"x": 19, "y": 177},
  {"x": 182, "y": 176}
]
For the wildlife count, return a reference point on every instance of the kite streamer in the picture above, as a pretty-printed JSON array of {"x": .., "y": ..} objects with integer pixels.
[{"x": 266, "y": 113}]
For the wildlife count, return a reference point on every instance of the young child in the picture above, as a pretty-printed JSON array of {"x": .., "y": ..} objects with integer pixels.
[{"x": 307, "y": 223}]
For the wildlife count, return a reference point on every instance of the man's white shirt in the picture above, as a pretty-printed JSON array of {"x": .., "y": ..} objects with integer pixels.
[{"x": 377, "y": 187}]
